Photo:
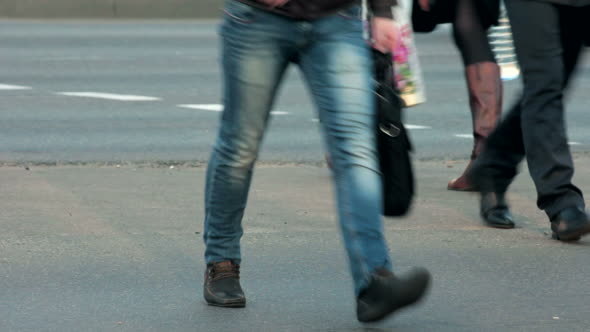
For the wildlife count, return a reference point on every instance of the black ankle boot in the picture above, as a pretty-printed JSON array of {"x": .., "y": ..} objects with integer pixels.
[
  {"x": 570, "y": 224},
  {"x": 494, "y": 210},
  {"x": 222, "y": 285},
  {"x": 387, "y": 293}
]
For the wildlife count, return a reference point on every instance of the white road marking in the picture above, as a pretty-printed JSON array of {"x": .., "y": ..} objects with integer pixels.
[
  {"x": 111, "y": 96},
  {"x": 411, "y": 126},
  {"x": 219, "y": 108},
  {"x": 204, "y": 107},
  {"x": 408, "y": 126},
  {"x": 14, "y": 87},
  {"x": 471, "y": 136}
]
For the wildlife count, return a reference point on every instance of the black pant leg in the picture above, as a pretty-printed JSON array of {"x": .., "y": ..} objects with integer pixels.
[
  {"x": 547, "y": 56},
  {"x": 497, "y": 165}
]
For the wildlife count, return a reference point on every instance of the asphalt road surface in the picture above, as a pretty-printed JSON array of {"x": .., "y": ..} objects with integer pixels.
[
  {"x": 53, "y": 107},
  {"x": 119, "y": 249}
]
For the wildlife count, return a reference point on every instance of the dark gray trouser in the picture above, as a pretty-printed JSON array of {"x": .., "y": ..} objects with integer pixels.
[{"x": 548, "y": 39}]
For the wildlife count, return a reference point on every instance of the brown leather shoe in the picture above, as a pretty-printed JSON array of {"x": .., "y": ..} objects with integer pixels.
[
  {"x": 462, "y": 183},
  {"x": 222, "y": 285}
]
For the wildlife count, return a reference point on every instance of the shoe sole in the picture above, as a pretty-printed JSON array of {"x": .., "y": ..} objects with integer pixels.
[
  {"x": 499, "y": 226},
  {"x": 228, "y": 305},
  {"x": 393, "y": 311},
  {"x": 469, "y": 189},
  {"x": 572, "y": 237},
  {"x": 386, "y": 314},
  {"x": 451, "y": 186},
  {"x": 492, "y": 225}
]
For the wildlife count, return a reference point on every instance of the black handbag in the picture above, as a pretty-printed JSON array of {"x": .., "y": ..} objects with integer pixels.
[{"x": 393, "y": 143}]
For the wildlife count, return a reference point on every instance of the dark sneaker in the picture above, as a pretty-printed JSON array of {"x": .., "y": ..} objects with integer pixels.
[
  {"x": 222, "y": 285},
  {"x": 570, "y": 224},
  {"x": 495, "y": 212},
  {"x": 387, "y": 293}
]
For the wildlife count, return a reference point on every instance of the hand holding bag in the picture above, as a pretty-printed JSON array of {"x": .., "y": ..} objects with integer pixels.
[{"x": 393, "y": 144}]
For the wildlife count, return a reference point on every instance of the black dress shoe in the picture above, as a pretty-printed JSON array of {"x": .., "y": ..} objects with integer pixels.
[
  {"x": 495, "y": 212},
  {"x": 570, "y": 224},
  {"x": 387, "y": 293},
  {"x": 222, "y": 285}
]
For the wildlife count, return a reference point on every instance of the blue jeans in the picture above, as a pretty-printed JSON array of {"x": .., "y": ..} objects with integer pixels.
[{"x": 336, "y": 61}]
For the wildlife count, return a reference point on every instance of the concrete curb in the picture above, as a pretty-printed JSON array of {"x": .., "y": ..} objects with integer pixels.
[{"x": 110, "y": 8}]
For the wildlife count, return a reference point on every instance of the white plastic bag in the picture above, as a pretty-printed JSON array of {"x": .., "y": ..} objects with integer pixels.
[{"x": 408, "y": 73}]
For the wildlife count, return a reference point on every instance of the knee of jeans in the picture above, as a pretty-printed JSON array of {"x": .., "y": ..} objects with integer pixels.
[
  {"x": 349, "y": 157},
  {"x": 352, "y": 147},
  {"x": 236, "y": 154}
]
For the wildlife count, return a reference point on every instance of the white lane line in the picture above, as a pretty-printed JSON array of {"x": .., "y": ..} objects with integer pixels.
[
  {"x": 204, "y": 107},
  {"x": 408, "y": 126},
  {"x": 110, "y": 96},
  {"x": 219, "y": 108},
  {"x": 471, "y": 136},
  {"x": 14, "y": 87},
  {"x": 411, "y": 126}
]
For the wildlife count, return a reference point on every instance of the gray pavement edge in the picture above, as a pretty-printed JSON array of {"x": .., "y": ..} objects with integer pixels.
[{"x": 78, "y": 9}]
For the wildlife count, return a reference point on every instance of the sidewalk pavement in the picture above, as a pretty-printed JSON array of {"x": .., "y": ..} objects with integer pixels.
[{"x": 95, "y": 248}]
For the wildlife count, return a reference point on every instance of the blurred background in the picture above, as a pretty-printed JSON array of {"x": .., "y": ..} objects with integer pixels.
[{"x": 109, "y": 8}]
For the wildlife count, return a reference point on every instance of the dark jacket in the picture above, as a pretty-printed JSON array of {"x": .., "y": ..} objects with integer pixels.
[
  {"x": 574, "y": 3},
  {"x": 443, "y": 11},
  {"x": 310, "y": 9}
]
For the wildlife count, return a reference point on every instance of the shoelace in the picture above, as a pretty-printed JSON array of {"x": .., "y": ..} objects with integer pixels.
[{"x": 222, "y": 272}]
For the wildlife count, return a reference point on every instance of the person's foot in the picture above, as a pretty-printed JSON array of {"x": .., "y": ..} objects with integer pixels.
[
  {"x": 387, "y": 293},
  {"x": 570, "y": 224},
  {"x": 462, "y": 183},
  {"x": 495, "y": 212},
  {"x": 222, "y": 285}
]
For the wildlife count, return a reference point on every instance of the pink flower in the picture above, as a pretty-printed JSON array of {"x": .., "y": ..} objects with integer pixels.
[
  {"x": 401, "y": 54},
  {"x": 401, "y": 84}
]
